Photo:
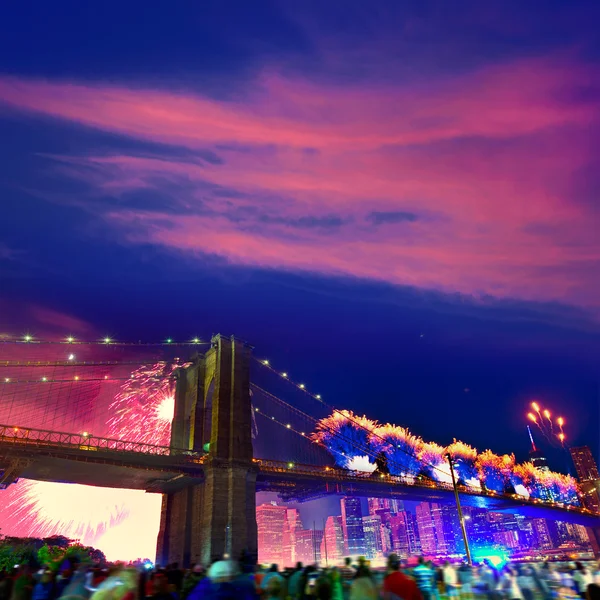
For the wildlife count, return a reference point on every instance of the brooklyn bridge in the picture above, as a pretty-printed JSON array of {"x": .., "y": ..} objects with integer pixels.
[{"x": 208, "y": 425}]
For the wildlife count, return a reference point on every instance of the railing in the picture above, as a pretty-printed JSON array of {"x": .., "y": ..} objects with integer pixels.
[
  {"x": 328, "y": 473},
  {"x": 27, "y": 437}
]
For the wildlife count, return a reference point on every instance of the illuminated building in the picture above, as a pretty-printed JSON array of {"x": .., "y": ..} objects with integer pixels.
[
  {"x": 292, "y": 525},
  {"x": 536, "y": 456},
  {"x": 372, "y": 533},
  {"x": 386, "y": 539},
  {"x": 426, "y": 528},
  {"x": 431, "y": 528},
  {"x": 542, "y": 534},
  {"x": 507, "y": 539},
  {"x": 377, "y": 504},
  {"x": 390, "y": 504},
  {"x": 332, "y": 545},
  {"x": 581, "y": 535},
  {"x": 452, "y": 532},
  {"x": 308, "y": 546},
  {"x": 589, "y": 478},
  {"x": 584, "y": 462},
  {"x": 398, "y": 526},
  {"x": 270, "y": 521},
  {"x": 352, "y": 525}
]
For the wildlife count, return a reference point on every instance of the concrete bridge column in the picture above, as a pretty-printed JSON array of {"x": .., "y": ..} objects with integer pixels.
[{"x": 213, "y": 410}]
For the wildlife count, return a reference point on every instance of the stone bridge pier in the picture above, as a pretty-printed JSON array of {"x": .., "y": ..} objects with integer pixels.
[{"x": 213, "y": 412}]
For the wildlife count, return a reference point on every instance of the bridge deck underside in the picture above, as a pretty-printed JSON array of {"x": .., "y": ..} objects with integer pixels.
[{"x": 152, "y": 473}]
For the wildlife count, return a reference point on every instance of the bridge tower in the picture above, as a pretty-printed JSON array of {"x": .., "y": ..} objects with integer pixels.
[{"x": 213, "y": 412}]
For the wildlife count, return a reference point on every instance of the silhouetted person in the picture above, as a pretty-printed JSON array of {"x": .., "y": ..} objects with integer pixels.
[
  {"x": 381, "y": 463},
  {"x": 397, "y": 585},
  {"x": 23, "y": 585}
]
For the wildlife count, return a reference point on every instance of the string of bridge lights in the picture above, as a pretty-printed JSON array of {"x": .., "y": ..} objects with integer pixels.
[
  {"x": 12, "y": 380},
  {"x": 291, "y": 428},
  {"x": 315, "y": 420},
  {"x": 284, "y": 375},
  {"x": 105, "y": 341},
  {"x": 71, "y": 362}
]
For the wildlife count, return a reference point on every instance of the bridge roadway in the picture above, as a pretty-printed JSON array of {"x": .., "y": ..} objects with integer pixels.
[
  {"x": 44, "y": 455},
  {"x": 294, "y": 482}
]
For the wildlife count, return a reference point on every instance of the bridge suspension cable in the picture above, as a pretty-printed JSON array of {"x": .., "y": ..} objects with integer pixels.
[
  {"x": 308, "y": 417},
  {"x": 106, "y": 341},
  {"x": 302, "y": 387},
  {"x": 352, "y": 443},
  {"x": 103, "y": 388}
]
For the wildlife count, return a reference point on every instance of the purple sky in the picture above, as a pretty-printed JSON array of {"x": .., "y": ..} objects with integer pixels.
[{"x": 397, "y": 201}]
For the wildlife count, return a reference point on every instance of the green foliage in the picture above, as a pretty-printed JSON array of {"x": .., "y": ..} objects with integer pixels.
[
  {"x": 51, "y": 557},
  {"x": 14, "y": 551},
  {"x": 51, "y": 552}
]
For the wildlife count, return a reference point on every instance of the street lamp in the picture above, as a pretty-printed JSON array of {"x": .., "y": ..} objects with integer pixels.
[{"x": 461, "y": 518}]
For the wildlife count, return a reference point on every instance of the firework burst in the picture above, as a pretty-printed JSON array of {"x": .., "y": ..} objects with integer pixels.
[
  {"x": 542, "y": 417},
  {"x": 355, "y": 442},
  {"x": 49, "y": 508},
  {"x": 434, "y": 462},
  {"x": 465, "y": 462},
  {"x": 494, "y": 470},
  {"x": 143, "y": 409},
  {"x": 345, "y": 435},
  {"x": 400, "y": 447}
]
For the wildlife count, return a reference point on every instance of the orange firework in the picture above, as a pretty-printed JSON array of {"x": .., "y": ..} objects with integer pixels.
[
  {"x": 458, "y": 449},
  {"x": 526, "y": 472},
  {"x": 394, "y": 434},
  {"x": 542, "y": 417},
  {"x": 432, "y": 453}
]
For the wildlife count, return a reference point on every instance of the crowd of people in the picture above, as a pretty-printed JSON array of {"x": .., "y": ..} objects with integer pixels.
[{"x": 242, "y": 580}]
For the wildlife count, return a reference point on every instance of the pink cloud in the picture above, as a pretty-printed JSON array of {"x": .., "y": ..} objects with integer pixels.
[
  {"x": 485, "y": 164},
  {"x": 499, "y": 102}
]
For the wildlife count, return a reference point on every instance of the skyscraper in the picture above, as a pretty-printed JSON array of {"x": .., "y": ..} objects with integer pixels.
[
  {"x": 542, "y": 534},
  {"x": 589, "y": 478},
  {"x": 412, "y": 529},
  {"x": 452, "y": 532},
  {"x": 270, "y": 521},
  {"x": 427, "y": 529},
  {"x": 430, "y": 523},
  {"x": 332, "y": 545},
  {"x": 584, "y": 462},
  {"x": 390, "y": 504},
  {"x": 372, "y": 532},
  {"x": 292, "y": 525},
  {"x": 308, "y": 546},
  {"x": 399, "y": 534},
  {"x": 352, "y": 525},
  {"x": 376, "y": 504}
]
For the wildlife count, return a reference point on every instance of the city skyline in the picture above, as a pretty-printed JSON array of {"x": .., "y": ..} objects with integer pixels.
[
  {"x": 376, "y": 526},
  {"x": 409, "y": 529}
]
